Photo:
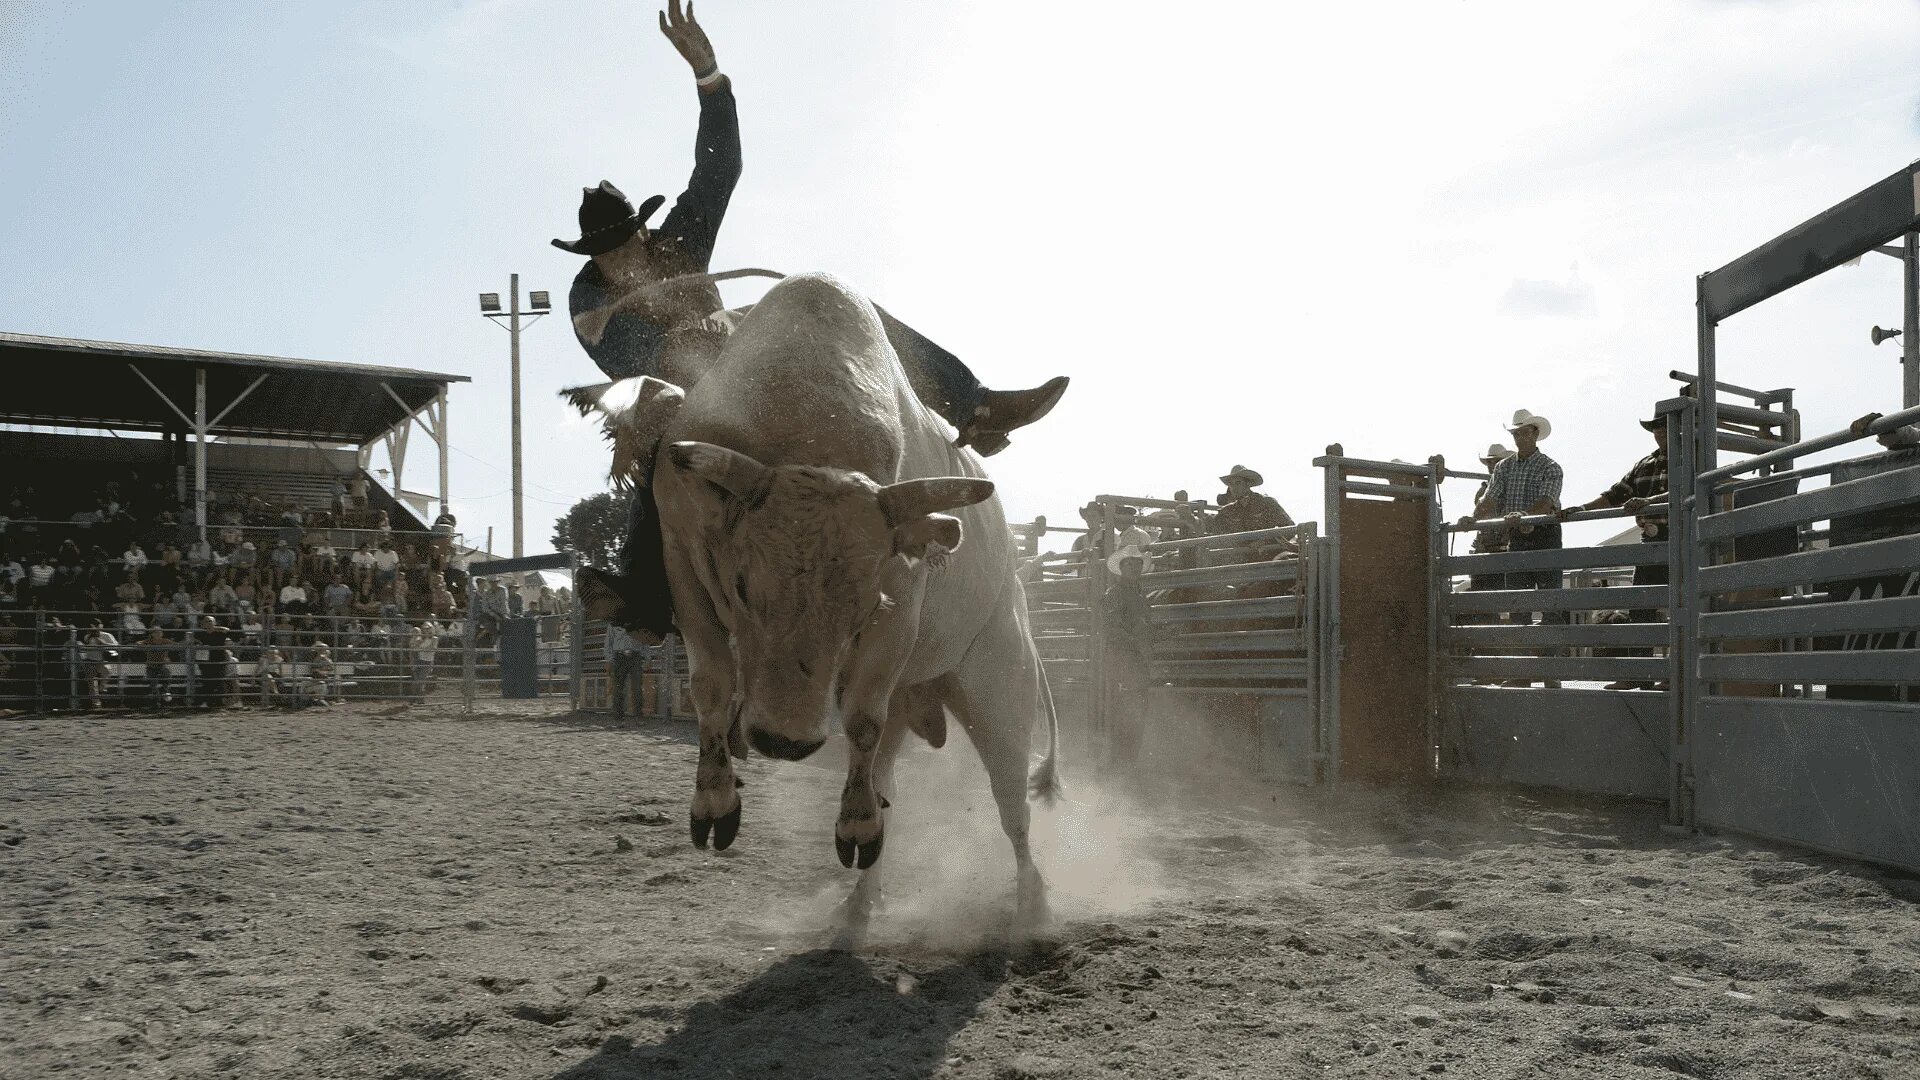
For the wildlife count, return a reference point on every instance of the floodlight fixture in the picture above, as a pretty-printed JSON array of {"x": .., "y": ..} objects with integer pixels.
[
  {"x": 539, "y": 301},
  {"x": 489, "y": 302}
]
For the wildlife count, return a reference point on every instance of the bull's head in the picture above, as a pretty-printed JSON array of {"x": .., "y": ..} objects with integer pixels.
[{"x": 802, "y": 560}]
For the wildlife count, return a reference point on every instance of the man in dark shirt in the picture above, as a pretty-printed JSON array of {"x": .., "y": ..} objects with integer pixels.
[
  {"x": 1644, "y": 483},
  {"x": 633, "y": 318},
  {"x": 1129, "y": 661}
]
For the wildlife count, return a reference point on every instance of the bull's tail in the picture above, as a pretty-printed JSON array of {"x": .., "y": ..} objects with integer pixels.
[{"x": 1044, "y": 782}]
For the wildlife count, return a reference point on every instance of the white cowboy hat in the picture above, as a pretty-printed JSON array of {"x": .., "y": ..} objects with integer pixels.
[
  {"x": 1522, "y": 418},
  {"x": 1496, "y": 452},
  {"x": 1131, "y": 551}
]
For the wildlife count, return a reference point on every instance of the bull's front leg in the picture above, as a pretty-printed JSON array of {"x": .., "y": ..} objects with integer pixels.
[
  {"x": 716, "y": 795},
  {"x": 716, "y": 790},
  {"x": 860, "y": 832}
]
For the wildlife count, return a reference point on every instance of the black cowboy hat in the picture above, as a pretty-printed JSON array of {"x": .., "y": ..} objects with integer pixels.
[
  {"x": 1655, "y": 424},
  {"x": 607, "y": 219}
]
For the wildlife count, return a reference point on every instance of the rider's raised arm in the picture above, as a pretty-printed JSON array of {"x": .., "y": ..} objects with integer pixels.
[{"x": 696, "y": 214}]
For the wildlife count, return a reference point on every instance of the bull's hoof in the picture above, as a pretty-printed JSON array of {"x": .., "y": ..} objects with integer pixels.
[
  {"x": 859, "y": 855},
  {"x": 725, "y": 829},
  {"x": 722, "y": 829}
]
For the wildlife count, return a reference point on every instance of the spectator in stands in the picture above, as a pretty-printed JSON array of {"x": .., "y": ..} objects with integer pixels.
[
  {"x": 40, "y": 577},
  {"x": 280, "y": 561},
  {"x": 9, "y": 599},
  {"x": 1131, "y": 635},
  {"x": 338, "y": 598},
  {"x": 130, "y": 625},
  {"x": 320, "y": 561},
  {"x": 245, "y": 596},
  {"x": 457, "y": 566},
  {"x": 360, "y": 567},
  {"x": 440, "y": 598},
  {"x": 386, "y": 564},
  {"x": 130, "y": 591},
  {"x": 1643, "y": 484},
  {"x": 383, "y": 526},
  {"x": 244, "y": 561},
  {"x": 338, "y": 503},
  {"x": 623, "y": 665},
  {"x": 1528, "y": 484},
  {"x": 11, "y": 572},
  {"x": 199, "y": 556},
  {"x": 222, "y": 598},
  {"x": 135, "y": 559}
]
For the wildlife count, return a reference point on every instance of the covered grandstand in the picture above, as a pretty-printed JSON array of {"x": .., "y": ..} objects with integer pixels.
[{"x": 300, "y": 426}]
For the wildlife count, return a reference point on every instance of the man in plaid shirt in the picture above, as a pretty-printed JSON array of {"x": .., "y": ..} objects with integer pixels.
[
  {"x": 1528, "y": 483},
  {"x": 1645, "y": 482}
]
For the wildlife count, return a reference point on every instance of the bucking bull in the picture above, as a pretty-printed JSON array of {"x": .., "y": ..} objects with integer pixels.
[{"x": 813, "y": 515}]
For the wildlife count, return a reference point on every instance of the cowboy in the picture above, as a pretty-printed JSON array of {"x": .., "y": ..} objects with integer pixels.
[
  {"x": 1131, "y": 634},
  {"x": 631, "y": 324},
  {"x": 1527, "y": 483},
  {"x": 1243, "y": 509},
  {"x": 1489, "y": 540},
  {"x": 631, "y": 329}
]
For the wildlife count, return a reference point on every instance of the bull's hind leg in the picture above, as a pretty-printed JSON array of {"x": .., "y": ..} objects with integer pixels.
[{"x": 996, "y": 696}]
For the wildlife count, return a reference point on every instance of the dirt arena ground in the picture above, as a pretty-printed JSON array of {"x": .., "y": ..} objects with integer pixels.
[{"x": 341, "y": 893}]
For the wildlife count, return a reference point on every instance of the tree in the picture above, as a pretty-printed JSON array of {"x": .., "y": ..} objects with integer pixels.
[{"x": 594, "y": 528}]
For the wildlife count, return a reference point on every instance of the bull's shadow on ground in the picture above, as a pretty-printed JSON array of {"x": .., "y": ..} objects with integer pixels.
[{"x": 821, "y": 1013}]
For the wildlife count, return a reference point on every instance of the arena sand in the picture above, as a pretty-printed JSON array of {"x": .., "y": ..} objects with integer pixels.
[{"x": 370, "y": 892}]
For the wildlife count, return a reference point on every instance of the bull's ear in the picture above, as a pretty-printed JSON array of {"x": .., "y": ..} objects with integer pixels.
[
  {"x": 927, "y": 537},
  {"x": 911, "y": 499},
  {"x": 730, "y": 470}
]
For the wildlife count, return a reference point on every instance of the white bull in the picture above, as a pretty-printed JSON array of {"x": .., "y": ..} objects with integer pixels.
[{"x": 812, "y": 512}]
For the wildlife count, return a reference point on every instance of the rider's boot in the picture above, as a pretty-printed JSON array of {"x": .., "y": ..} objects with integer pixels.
[{"x": 1002, "y": 411}]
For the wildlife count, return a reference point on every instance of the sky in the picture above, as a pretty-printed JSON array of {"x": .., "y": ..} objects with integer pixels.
[{"x": 1245, "y": 230}]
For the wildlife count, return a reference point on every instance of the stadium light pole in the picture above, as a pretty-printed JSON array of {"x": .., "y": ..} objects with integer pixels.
[{"x": 490, "y": 309}]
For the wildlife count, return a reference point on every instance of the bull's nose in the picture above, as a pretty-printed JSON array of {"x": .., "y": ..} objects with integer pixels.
[{"x": 774, "y": 745}]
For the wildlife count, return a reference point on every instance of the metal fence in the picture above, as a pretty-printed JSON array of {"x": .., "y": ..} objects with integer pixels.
[
  {"x": 1228, "y": 622},
  {"x": 53, "y": 660},
  {"x": 1780, "y": 698}
]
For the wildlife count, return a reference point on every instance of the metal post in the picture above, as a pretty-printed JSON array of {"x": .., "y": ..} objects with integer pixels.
[
  {"x": 200, "y": 450},
  {"x": 1330, "y": 608},
  {"x": 1097, "y": 659},
  {"x": 1436, "y": 610},
  {"x": 1683, "y": 694},
  {"x": 1910, "y": 325},
  {"x": 1706, "y": 390},
  {"x": 440, "y": 437},
  {"x": 468, "y": 637},
  {"x": 39, "y": 661},
  {"x": 513, "y": 332},
  {"x": 577, "y": 634}
]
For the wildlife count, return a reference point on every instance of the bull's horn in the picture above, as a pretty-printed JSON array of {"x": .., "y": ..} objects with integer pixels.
[
  {"x": 912, "y": 499},
  {"x": 730, "y": 469}
]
